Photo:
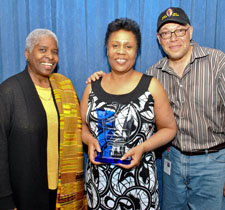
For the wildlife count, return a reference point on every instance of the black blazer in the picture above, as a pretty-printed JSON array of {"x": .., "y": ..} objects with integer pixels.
[{"x": 23, "y": 146}]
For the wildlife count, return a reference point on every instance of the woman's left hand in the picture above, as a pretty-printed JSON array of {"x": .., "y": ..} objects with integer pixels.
[{"x": 135, "y": 154}]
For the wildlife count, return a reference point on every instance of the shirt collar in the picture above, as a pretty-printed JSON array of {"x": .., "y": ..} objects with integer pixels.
[{"x": 197, "y": 52}]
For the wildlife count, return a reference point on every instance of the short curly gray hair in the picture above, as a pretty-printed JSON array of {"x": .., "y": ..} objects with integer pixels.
[{"x": 34, "y": 35}]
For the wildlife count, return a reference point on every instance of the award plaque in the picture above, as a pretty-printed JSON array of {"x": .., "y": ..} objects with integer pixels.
[{"x": 113, "y": 146}]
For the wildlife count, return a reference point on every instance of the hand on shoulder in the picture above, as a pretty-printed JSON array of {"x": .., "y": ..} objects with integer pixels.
[{"x": 95, "y": 76}]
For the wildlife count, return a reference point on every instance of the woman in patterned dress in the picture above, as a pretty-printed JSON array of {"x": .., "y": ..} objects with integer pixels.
[{"x": 137, "y": 119}]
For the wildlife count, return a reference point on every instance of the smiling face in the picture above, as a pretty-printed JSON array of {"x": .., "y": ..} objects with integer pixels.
[
  {"x": 176, "y": 48},
  {"x": 43, "y": 58},
  {"x": 122, "y": 51}
]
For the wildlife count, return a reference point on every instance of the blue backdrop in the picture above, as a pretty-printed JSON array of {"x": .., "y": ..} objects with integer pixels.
[{"x": 81, "y": 25}]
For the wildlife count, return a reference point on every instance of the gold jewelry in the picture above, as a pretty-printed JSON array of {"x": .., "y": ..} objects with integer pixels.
[
  {"x": 45, "y": 99},
  {"x": 44, "y": 93}
]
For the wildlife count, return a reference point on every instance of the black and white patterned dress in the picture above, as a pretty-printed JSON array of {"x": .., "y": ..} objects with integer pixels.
[{"x": 109, "y": 186}]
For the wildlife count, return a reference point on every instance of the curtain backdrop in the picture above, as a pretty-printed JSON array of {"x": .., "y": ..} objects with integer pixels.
[{"x": 80, "y": 26}]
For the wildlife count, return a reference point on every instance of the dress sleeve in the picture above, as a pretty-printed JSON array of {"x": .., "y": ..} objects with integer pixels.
[{"x": 6, "y": 198}]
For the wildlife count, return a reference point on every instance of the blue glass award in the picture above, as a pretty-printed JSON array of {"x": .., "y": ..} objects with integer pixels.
[{"x": 113, "y": 146}]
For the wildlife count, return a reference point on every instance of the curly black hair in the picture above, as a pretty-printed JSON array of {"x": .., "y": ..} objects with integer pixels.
[{"x": 125, "y": 24}]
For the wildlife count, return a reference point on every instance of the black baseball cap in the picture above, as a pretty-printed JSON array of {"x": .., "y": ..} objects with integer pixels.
[{"x": 174, "y": 15}]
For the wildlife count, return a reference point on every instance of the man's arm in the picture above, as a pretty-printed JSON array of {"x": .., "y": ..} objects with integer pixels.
[{"x": 95, "y": 76}]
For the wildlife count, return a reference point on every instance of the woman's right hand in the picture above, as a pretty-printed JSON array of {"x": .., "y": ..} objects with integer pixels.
[
  {"x": 93, "y": 148},
  {"x": 95, "y": 76}
]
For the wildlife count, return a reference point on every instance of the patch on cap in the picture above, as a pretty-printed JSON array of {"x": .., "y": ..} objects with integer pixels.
[
  {"x": 169, "y": 12},
  {"x": 172, "y": 14}
]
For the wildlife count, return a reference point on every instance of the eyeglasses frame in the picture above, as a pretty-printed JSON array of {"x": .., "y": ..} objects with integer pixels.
[{"x": 171, "y": 32}]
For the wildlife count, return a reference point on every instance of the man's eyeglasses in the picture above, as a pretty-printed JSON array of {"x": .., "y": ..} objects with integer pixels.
[{"x": 168, "y": 34}]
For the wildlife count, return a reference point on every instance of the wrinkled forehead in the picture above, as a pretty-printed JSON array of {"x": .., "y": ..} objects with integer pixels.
[{"x": 172, "y": 26}]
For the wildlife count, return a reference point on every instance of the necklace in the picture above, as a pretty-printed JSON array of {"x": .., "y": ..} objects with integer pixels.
[
  {"x": 44, "y": 93},
  {"x": 45, "y": 99}
]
